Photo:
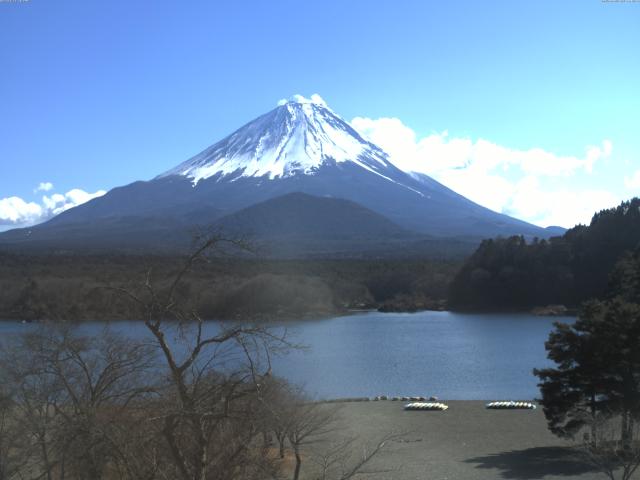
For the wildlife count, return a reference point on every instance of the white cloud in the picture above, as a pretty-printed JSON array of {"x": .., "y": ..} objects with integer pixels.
[
  {"x": 564, "y": 207},
  {"x": 58, "y": 203},
  {"x": 633, "y": 182},
  {"x": 14, "y": 210},
  {"x": 297, "y": 98},
  {"x": 44, "y": 187},
  {"x": 517, "y": 182},
  {"x": 17, "y": 212}
]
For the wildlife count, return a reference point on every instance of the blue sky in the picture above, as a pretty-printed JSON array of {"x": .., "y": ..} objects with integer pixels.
[{"x": 531, "y": 108}]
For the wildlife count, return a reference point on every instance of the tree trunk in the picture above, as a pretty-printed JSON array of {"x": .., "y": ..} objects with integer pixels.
[
  {"x": 296, "y": 472},
  {"x": 202, "y": 463},
  {"x": 594, "y": 432},
  {"x": 45, "y": 458},
  {"x": 625, "y": 432}
]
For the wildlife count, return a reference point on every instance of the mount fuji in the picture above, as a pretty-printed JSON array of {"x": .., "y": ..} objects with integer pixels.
[{"x": 301, "y": 153}]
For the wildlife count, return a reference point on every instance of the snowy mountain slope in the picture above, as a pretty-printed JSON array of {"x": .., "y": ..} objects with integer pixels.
[
  {"x": 294, "y": 138},
  {"x": 297, "y": 138}
]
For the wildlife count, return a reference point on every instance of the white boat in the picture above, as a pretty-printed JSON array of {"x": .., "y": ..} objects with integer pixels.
[
  {"x": 426, "y": 406},
  {"x": 510, "y": 405}
]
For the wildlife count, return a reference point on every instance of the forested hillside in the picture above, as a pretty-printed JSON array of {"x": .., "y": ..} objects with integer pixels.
[
  {"x": 85, "y": 287},
  {"x": 512, "y": 274}
]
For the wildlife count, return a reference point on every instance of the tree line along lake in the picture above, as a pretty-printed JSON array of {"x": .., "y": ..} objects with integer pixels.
[{"x": 450, "y": 355}]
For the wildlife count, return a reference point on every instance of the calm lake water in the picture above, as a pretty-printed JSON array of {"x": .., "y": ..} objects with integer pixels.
[{"x": 450, "y": 355}]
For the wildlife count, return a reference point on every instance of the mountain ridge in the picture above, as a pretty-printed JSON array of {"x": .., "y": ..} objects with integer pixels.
[{"x": 296, "y": 147}]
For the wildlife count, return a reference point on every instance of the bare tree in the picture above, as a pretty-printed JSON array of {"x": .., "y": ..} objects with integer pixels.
[
  {"x": 307, "y": 423},
  {"x": 612, "y": 444},
  {"x": 312, "y": 430},
  {"x": 70, "y": 393},
  {"x": 340, "y": 462},
  {"x": 34, "y": 395},
  {"x": 11, "y": 459},
  {"x": 274, "y": 406},
  {"x": 213, "y": 377}
]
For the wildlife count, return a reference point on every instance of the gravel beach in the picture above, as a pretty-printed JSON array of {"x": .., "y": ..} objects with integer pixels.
[{"x": 465, "y": 442}]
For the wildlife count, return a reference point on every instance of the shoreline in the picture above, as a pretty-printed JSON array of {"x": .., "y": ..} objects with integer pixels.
[
  {"x": 400, "y": 400},
  {"x": 315, "y": 316}
]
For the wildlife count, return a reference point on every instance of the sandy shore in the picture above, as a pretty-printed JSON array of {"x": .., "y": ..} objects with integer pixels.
[{"x": 465, "y": 442}]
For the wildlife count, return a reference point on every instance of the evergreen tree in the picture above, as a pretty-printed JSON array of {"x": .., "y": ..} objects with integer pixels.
[
  {"x": 597, "y": 368},
  {"x": 514, "y": 274},
  {"x": 597, "y": 372}
]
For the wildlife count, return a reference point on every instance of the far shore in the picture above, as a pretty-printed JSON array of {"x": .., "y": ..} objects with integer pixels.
[{"x": 288, "y": 317}]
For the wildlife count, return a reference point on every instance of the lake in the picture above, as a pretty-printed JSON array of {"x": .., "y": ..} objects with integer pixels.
[{"x": 450, "y": 355}]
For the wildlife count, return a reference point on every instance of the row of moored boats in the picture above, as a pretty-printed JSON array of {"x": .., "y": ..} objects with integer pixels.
[{"x": 503, "y": 405}]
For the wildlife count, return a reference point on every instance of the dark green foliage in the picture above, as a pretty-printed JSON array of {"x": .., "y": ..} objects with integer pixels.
[
  {"x": 83, "y": 287},
  {"x": 598, "y": 366},
  {"x": 624, "y": 280},
  {"x": 514, "y": 274},
  {"x": 597, "y": 360}
]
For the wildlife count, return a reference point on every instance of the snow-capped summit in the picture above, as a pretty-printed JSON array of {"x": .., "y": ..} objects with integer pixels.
[
  {"x": 297, "y": 98},
  {"x": 298, "y": 137}
]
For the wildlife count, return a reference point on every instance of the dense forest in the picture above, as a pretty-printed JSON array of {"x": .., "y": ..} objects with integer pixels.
[
  {"x": 87, "y": 287},
  {"x": 513, "y": 274}
]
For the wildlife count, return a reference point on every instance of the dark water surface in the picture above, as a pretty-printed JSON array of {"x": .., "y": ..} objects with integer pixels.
[{"x": 450, "y": 355}]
